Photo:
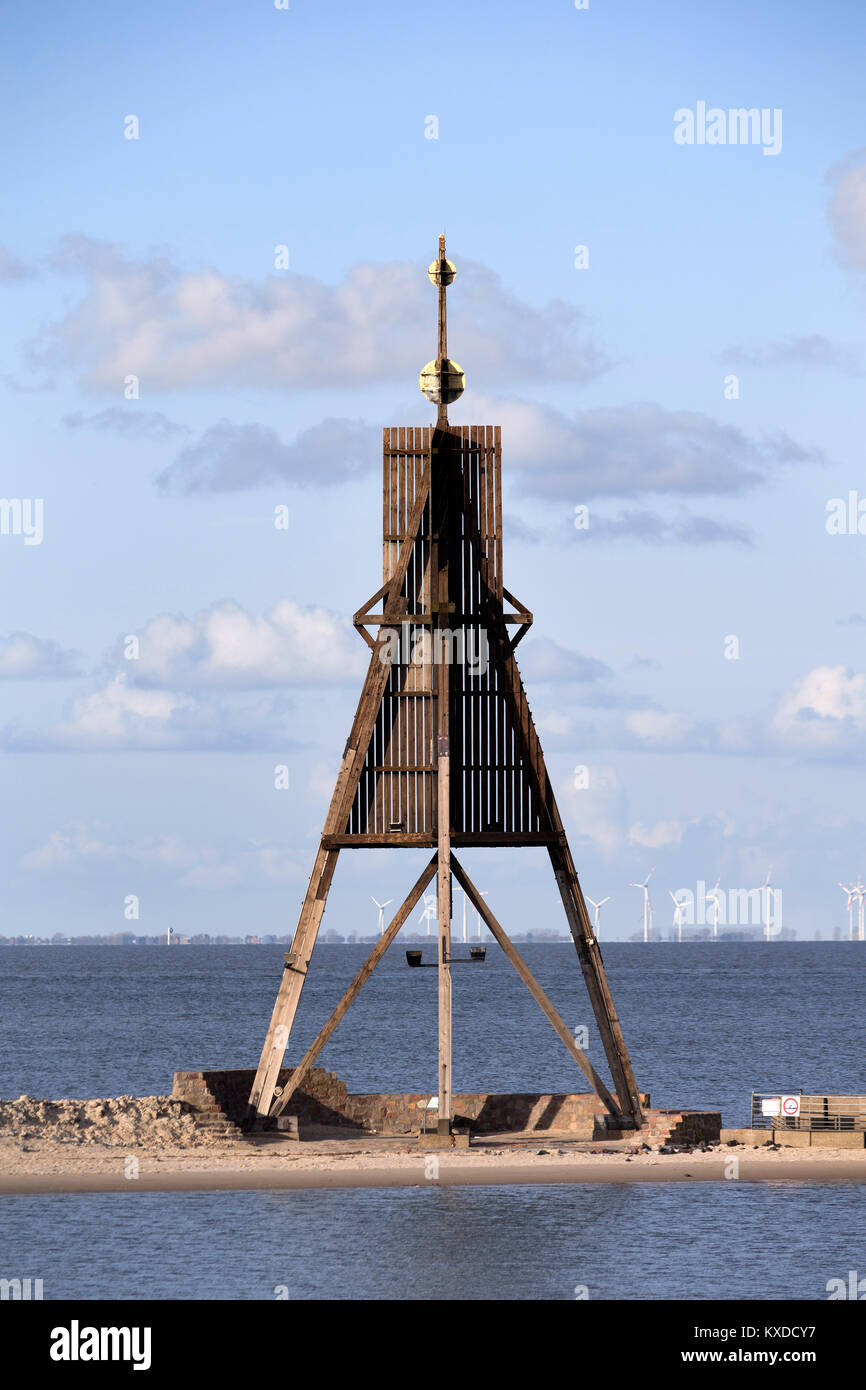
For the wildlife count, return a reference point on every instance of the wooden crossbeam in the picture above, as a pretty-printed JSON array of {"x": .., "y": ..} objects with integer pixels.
[
  {"x": 534, "y": 988},
  {"x": 363, "y": 975}
]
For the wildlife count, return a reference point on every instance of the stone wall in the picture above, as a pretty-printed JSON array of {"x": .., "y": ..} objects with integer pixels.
[{"x": 324, "y": 1100}]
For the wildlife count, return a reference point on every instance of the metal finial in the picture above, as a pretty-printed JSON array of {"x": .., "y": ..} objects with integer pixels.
[{"x": 442, "y": 381}]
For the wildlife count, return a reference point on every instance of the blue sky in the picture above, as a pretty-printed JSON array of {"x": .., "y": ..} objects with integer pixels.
[{"x": 261, "y": 387}]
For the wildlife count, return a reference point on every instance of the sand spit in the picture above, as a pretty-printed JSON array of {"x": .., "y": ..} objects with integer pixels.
[{"x": 152, "y": 1144}]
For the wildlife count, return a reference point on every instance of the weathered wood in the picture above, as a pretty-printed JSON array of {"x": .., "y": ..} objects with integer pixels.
[
  {"x": 592, "y": 966},
  {"x": 440, "y": 757},
  {"x": 363, "y": 975},
  {"x": 336, "y": 822},
  {"x": 441, "y": 491},
  {"x": 538, "y": 994}
]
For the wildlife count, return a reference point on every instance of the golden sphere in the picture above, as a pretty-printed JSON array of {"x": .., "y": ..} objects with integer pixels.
[
  {"x": 441, "y": 272},
  {"x": 442, "y": 386}
]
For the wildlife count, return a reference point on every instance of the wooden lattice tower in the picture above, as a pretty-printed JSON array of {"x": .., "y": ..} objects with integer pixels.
[{"x": 443, "y": 752}]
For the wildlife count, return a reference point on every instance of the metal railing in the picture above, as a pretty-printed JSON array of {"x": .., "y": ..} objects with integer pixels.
[{"x": 794, "y": 1110}]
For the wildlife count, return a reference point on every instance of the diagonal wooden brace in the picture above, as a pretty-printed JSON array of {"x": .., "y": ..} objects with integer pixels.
[
  {"x": 363, "y": 975},
  {"x": 534, "y": 988}
]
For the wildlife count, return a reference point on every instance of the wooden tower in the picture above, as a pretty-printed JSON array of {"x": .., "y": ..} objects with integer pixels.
[{"x": 443, "y": 752}]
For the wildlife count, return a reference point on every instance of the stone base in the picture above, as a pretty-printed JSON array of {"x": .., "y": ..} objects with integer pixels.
[
  {"x": 323, "y": 1100},
  {"x": 798, "y": 1138}
]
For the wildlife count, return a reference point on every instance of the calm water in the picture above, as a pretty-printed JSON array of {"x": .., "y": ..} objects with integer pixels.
[{"x": 704, "y": 1026}]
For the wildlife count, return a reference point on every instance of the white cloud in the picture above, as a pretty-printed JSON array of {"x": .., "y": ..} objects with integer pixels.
[
  {"x": 629, "y": 450},
  {"x": 201, "y": 329},
  {"x": 847, "y": 209},
  {"x": 226, "y": 647},
  {"x": 657, "y": 836},
  {"x": 595, "y": 813},
  {"x": 230, "y": 457},
  {"x": 659, "y": 728},
  {"x": 825, "y": 709},
  {"x": 122, "y": 717},
  {"x": 181, "y": 693},
  {"x": 25, "y": 657},
  {"x": 210, "y": 867}
]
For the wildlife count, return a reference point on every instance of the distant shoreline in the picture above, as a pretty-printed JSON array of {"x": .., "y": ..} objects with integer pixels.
[{"x": 728, "y": 938}]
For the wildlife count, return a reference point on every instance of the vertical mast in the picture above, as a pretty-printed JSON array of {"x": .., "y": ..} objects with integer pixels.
[
  {"x": 442, "y": 491},
  {"x": 442, "y": 352}
]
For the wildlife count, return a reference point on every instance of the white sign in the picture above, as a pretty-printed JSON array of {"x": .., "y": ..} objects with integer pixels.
[
  {"x": 790, "y": 1106},
  {"x": 771, "y": 1106}
]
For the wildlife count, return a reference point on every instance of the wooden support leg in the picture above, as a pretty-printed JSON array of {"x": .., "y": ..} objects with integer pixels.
[
  {"x": 289, "y": 993},
  {"x": 443, "y": 885},
  {"x": 600, "y": 996},
  {"x": 535, "y": 989},
  {"x": 378, "y": 951}
]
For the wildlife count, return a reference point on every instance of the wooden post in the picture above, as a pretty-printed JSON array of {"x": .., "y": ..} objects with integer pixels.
[{"x": 441, "y": 489}]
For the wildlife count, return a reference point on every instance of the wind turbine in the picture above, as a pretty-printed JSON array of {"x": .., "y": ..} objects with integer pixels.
[
  {"x": 647, "y": 905},
  {"x": 767, "y": 893},
  {"x": 478, "y": 914},
  {"x": 598, "y": 906},
  {"x": 713, "y": 897},
  {"x": 679, "y": 909},
  {"x": 381, "y": 907},
  {"x": 861, "y": 894},
  {"x": 429, "y": 913},
  {"x": 852, "y": 894}
]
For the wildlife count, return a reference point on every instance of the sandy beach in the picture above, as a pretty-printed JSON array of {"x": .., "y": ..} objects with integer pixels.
[{"x": 44, "y": 1166}]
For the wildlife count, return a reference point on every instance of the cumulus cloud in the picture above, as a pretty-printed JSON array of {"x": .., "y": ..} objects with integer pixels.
[
  {"x": 660, "y": 835},
  {"x": 230, "y": 457},
  {"x": 122, "y": 717},
  {"x": 847, "y": 209},
  {"x": 824, "y": 710},
  {"x": 630, "y": 450},
  {"x": 595, "y": 809},
  {"x": 226, "y": 647},
  {"x": 25, "y": 657},
  {"x": 182, "y": 691},
  {"x": 184, "y": 329}
]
